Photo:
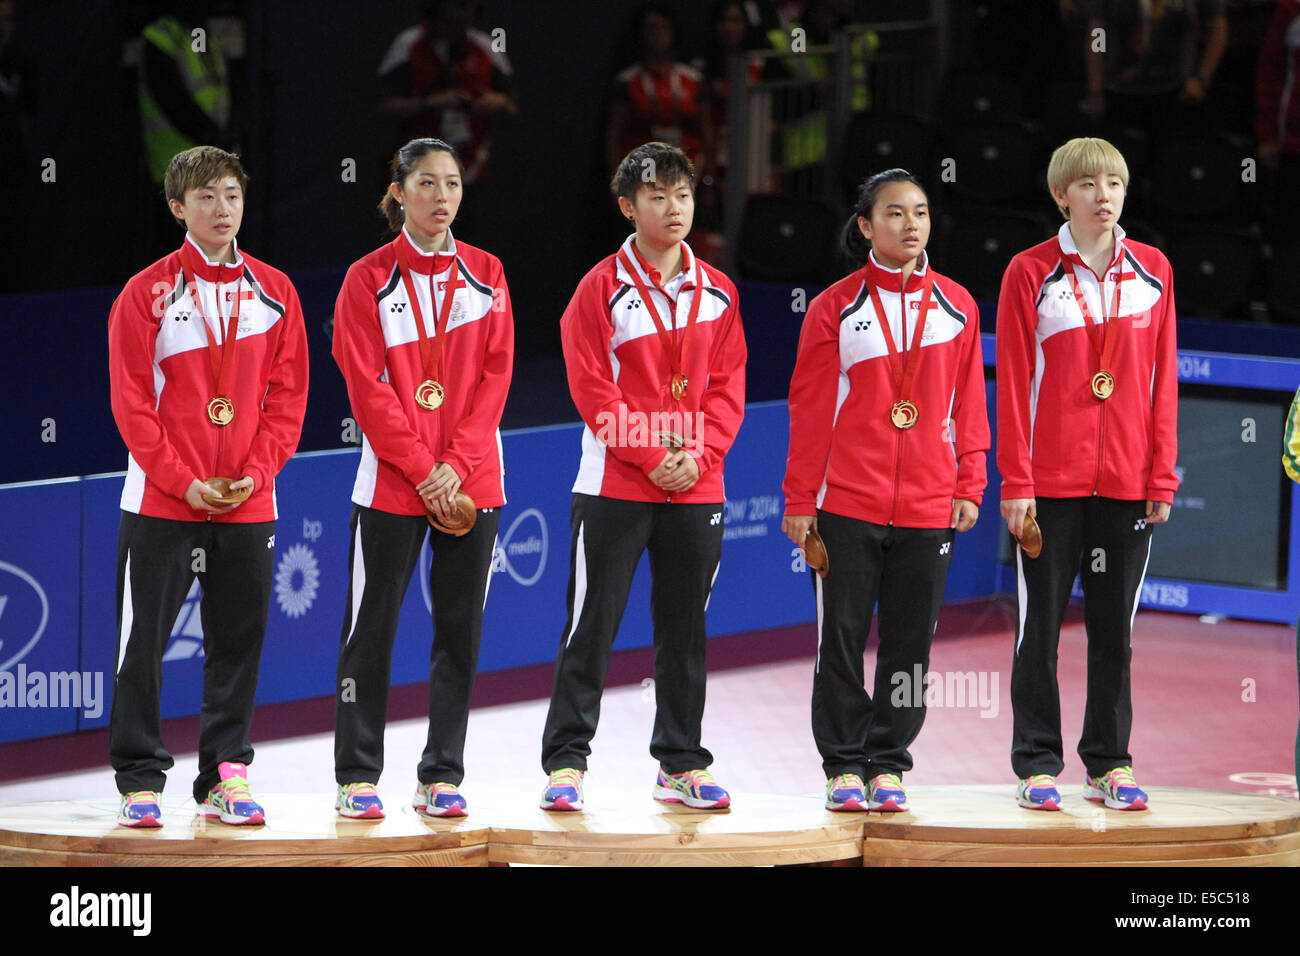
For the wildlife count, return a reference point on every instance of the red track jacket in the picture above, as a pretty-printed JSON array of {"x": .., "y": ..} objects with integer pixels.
[
  {"x": 1055, "y": 438},
  {"x": 161, "y": 382},
  {"x": 846, "y": 456},
  {"x": 619, "y": 377},
  {"x": 377, "y": 349}
]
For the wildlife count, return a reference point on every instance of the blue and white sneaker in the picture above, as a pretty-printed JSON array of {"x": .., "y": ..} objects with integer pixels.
[
  {"x": 695, "y": 788},
  {"x": 887, "y": 793},
  {"x": 1038, "y": 792},
  {"x": 846, "y": 793},
  {"x": 140, "y": 809},
  {"x": 439, "y": 800},
  {"x": 563, "y": 790},
  {"x": 1116, "y": 789},
  {"x": 359, "y": 801},
  {"x": 229, "y": 801}
]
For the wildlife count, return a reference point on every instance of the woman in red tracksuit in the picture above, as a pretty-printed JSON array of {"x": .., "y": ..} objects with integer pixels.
[
  {"x": 424, "y": 336},
  {"x": 888, "y": 435},
  {"x": 208, "y": 375},
  {"x": 1087, "y": 361}
]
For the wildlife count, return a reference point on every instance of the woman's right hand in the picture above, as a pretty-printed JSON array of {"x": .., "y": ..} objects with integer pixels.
[
  {"x": 439, "y": 490},
  {"x": 796, "y": 527},
  {"x": 1014, "y": 510},
  {"x": 194, "y": 498}
]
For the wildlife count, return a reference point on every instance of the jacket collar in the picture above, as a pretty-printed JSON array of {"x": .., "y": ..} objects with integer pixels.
[
  {"x": 1071, "y": 251},
  {"x": 421, "y": 261},
  {"x": 891, "y": 280},
  {"x": 193, "y": 259},
  {"x": 651, "y": 277}
]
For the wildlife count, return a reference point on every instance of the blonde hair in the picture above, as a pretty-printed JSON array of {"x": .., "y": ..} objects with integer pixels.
[{"x": 1080, "y": 157}]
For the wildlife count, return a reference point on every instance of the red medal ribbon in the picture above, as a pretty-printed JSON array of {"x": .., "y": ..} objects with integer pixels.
[
  {"x": 903, "y": 366},
  {"x": 222, "y": 357},
  {"x": 676, "y": 357},
  {"x": 1106, "y": 348},
  {"x": 430, "y": 351}
]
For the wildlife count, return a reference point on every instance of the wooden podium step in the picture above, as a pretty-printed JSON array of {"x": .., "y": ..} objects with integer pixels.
[{"x": 947, "y": 826}]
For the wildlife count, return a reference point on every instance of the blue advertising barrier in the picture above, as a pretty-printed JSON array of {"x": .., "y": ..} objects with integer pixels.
[
  {"x": 58, "y": 566},
  {"x": 40, "y": 652},
  {"x": 58, "y": 546}
]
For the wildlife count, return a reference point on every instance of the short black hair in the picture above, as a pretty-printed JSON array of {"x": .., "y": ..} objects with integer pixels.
[{"x": 651, "y": 163}]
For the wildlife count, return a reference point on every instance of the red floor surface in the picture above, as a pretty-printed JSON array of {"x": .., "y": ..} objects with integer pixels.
[{"x": 1215, "y": 706}]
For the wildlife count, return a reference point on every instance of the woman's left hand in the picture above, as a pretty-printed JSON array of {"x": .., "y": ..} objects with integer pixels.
[
  {"x": 439, "y": 490},
  {"x": 1157, "y": 512},
  {"x": 964, "y": 514}
]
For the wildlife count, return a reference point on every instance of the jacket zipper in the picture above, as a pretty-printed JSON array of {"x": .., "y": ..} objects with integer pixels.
[
  {"x": 1101, "y": 418},
  {"x": 1101, "y": 446},
  {"x": 898, "y": 435},
  {"x": 221, "y": 433}
]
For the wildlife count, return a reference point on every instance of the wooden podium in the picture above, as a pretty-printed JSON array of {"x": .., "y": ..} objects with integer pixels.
[{"x": 948, "y": 826}]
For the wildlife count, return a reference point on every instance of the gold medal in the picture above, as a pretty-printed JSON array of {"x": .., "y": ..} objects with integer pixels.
[
  {"x": 1103, "y": 384},
  {"x": 221, "y": 411},
  {"x": 679, "y": 386},
  {"x": 904, "y": 415},
  {"x": 429, "y": 395}
]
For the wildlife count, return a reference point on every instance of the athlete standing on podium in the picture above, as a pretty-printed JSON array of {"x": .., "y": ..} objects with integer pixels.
[
  {"x": 424, "y": 337},
  {"x": 1087, "y": 439},
  {"x": 655, "y": 356},
  {"x": 208, "y": 375},
  {"x": 888, "y": 439}
]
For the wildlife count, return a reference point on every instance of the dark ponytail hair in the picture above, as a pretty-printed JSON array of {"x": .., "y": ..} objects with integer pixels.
[
  {"x": 403, "y": 163},
  {"x": 852, "y": 241}
]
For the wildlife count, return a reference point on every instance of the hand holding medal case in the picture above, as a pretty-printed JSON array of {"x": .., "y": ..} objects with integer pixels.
[
  {"x": 462, "y": 517},
  {"x": 1031, "y": 537},
  {"x": 814, "y": 553},
  {"x": 227, "y": 497}
]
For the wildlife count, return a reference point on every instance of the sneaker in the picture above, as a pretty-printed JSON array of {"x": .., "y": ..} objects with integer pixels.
[
  {"x": 1116, "y": 789},
  {"x": 887, "y": 793},
  {"x": 563, "y": 790},
  {"x": 359, "y": 801},
  {"x": 1038, "y": 792},
  {"x": 140, "y": 809},
  {"x": 846, "y": 792},
  {"x": 229, "y": 801},
  {"x": 695, "y": 788},
  {"x": 439, "y": 800}
]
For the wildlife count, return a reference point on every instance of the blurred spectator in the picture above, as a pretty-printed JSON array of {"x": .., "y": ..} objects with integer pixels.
[
  {"x": 184, "y": 100},
  {"x": 1278, "y": 109},
  {"x": 731, "y": 35},
  {"x": 18, "y": 172},
  {"x": 183, "y": 93},
  {"x": 660, "y": 99},
  {"x": 442, "y": 78},
  {"x": 1159, "y": 60},
  {"x": 802, "y": 112}
]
